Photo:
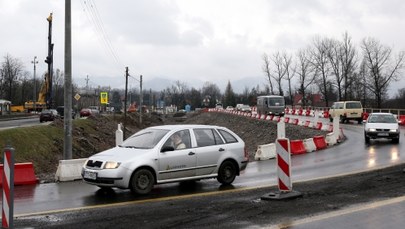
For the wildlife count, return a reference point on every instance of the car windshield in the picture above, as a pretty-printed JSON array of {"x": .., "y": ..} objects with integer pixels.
[
  {"x": 353, "y": 105},
  {"x": 144, "y": 139},
  {"x": 382, "y": 119},
  {"x": 276, "y": 102}
]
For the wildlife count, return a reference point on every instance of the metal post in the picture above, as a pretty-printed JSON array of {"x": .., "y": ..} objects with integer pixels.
[
  {"x": 35, "y": 85},
  {"x": 67, "y": 150},
  {"x": 140, "y": 101},
  {"x": 125, "y": 100}
]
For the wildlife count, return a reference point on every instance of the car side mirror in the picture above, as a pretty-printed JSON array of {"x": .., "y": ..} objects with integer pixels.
[{"x": 167, "y": 148}]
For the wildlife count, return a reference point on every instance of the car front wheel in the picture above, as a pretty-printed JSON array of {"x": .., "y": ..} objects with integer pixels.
[
  {"x": 142, "y": 182},
  {"x": 227, "y": 173},
  {"x": 366, "y": 139}
]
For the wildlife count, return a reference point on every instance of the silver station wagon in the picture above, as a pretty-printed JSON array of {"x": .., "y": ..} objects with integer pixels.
[{"x": 169, "y": 153}]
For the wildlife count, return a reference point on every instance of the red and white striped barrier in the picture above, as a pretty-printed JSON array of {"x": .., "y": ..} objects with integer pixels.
[
  {"x": 283, "y": 173},
  {"x": 283, "y": 164},
  {"x": 8, "y": 188}
]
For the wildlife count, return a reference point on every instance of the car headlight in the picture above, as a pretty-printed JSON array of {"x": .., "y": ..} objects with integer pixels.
[
  {"x": 111, "y": 165},
  {"x": 394, "y": 130},
  {"x": 371, "y": 129}
]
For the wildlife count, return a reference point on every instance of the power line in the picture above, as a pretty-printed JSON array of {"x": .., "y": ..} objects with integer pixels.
[{"x": 93, "y": 16}]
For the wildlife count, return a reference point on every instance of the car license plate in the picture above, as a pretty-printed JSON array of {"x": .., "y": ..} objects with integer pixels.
[
  {"x": 382, "y": 134},
  {"x": 90, "y": 175}
]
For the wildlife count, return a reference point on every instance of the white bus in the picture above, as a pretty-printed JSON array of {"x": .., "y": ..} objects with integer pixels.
[{"x": 271, "y": 105}]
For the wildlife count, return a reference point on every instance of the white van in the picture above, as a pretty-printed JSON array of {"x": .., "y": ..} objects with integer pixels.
[{"x": 347, "y": 110}]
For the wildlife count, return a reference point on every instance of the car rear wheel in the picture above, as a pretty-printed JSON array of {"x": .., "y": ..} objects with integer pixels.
[
  {"x": 227, "y": 173},
  {"x": 142, "y": 182}
]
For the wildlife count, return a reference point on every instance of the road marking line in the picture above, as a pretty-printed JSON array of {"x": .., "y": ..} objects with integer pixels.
[
  {"x": 126, "y": 203},
  {"x": 187, "y": 196}
]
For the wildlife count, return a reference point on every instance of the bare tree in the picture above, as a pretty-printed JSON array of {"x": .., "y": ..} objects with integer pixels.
[
  {"x": 289, "y": 73},
  {"x": 382, "y": 68},
  {"x": 349, "y": 62},
  {"x": 12, "y": 70},
  {"x": 175, "y": 94},
  {"x": 342, "y": 57},
  {"x": 58, "y": 86},
  {"x": 319, "y": 59},
  {"x": 267, "y": 71},
  {"x": 279, "y": 72},
  {"x": 306, "y": 74}
]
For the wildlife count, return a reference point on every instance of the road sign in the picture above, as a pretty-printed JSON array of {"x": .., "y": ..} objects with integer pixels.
[
  {"x": 103, "y": 97},
  {"x": 77, "y": 97}
]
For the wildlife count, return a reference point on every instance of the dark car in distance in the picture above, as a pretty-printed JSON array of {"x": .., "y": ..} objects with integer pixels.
[
  {"x": 61, "y": 112},
  {"x": 85, "y": 112},
  {"x": 48, "y": 115}
]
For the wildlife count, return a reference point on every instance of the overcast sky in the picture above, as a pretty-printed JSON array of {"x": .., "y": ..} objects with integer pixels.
[{"x": 187, "y": 40}]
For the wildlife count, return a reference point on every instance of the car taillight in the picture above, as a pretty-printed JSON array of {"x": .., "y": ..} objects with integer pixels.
[{"x": 246, "y": 154}]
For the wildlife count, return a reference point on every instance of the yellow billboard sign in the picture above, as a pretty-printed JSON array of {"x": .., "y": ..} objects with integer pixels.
[{"x": 103, "y": 97}]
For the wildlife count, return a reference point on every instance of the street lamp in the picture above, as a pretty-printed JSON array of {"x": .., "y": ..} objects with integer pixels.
[{"x": 35, "y": 85}]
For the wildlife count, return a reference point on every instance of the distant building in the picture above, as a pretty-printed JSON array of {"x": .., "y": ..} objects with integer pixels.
[
  {"x": 4, "y": 107},
  {"x": 314, "y": 100}
]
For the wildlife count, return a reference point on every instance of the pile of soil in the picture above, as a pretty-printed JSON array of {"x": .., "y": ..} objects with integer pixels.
[{"x": 100, "y": 135}]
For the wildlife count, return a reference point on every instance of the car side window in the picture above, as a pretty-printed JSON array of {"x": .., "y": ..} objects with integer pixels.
[
  {"x": 218, "y": 139},
  {"x": 204, "y": 137},
  {"x": 179, "y": 140},
  {"x": 229, "y": 138}
]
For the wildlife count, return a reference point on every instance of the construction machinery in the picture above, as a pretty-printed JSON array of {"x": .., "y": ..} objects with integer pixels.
[
  {"x": 41, "y": 103},
  {"x": 45, "y": 94}
]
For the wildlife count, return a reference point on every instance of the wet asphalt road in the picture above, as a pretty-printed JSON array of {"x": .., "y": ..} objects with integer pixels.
[{"x": 350, "y": 156}]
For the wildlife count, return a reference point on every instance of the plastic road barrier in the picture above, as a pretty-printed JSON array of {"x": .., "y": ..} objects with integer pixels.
[
  {"x": 265, "y": 152},
  {"x": 320, "y": 142},
  {"x": 309, "y": 145},
  {"x": 331, "y": 139},
  {"x": 297, "y": 147},
  {"x": 23, "y": 174},
  {"x": 70, "y": 170}
]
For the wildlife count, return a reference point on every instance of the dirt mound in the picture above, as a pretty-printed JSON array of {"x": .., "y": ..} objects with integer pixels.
[
  {"x": 98, "y": 132},
  {"x": 253, "y": 131}
]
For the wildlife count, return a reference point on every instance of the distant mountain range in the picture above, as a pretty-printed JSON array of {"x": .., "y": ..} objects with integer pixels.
[{"x": 238, "y": 86}]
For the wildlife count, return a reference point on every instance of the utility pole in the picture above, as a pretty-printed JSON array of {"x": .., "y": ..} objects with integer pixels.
[
  {"x": 125, "y": 100},
  {"x": 67, "y": 149},
  {"x": 49, "y": 61},
  {"x": 35, "y": 83},
  {"x": 140, "y": 100}
]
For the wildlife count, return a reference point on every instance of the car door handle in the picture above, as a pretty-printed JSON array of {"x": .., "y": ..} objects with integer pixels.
[
  {"x": 221, "y": 149},
  {"x": 191, "y": 153}
]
